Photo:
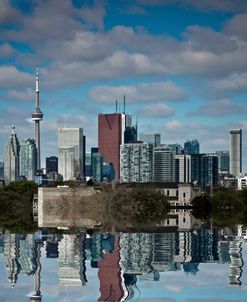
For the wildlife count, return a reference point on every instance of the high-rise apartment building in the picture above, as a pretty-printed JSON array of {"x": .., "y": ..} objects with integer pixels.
[
  {"x": 11, "y": 158},
  {"x": 235, "y": 151},
  {"x": 183, "y": 168},
  {"x": 150, "y": 138},
  {"x": 111, "y": 129},
  {"x": 136, "y": 162},
  {"x": 164, "y": 164},
  {"x": 52, "y": 164},
  {"x": 192, "y": 147},
  {"x": 1, "y": 170},
  {"x": 70, "y": 153},
  {"x": 28, "y": 159}
]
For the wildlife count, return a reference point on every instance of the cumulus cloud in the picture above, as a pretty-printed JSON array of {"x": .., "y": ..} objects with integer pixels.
[
  {"x": 8, "y": 14},
  {"x": 11, "y": 77},
  {"x": 204, "y": 5},
  {"x": 26, "y": 95},
  {"x": 237, "y": 26},
  {"x": 6, "y": 50},
  {"x": 236, "y": 82},
  {"x": 156, "y": 110},
  {"x": 217, "y": 108},
  {"x": 143, "y": 92},
  {"x": 173, "y": 125}
]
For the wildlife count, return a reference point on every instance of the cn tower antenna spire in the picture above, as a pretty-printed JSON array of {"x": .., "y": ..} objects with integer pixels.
[{"x": 37, "y": 116}]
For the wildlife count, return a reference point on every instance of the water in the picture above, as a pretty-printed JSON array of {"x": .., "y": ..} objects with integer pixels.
[{"x": 202, "y": 265}]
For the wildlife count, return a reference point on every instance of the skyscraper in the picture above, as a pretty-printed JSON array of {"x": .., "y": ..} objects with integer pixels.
[
  {"x": 97, "y": 167},
  {"x": 37, "y": 116},
  {"x": 235, "y": 151},
  {"x": 11, "y": 158},
  {"x": 136, "y": 162},
  {"x": 164, "y": 164},
  {"x": 224, "y": 161},
  {"x": 70, "y": 153},
  {"x": 28, "y": 158},
  {"x": 151, "y": 138},
  {"x": 111, "y": 128},
  {"x": 51, "y": 164},
  {"x": 192, "y": 147},
  {"x": 183, "y": 168}
]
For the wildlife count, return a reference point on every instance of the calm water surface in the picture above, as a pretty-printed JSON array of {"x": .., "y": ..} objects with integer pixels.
[{"x": 203, "y": 265}]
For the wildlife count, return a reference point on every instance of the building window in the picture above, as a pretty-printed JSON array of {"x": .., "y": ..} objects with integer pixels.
[
  {"x": 184, "y": 194},
  {"x": 184, "y": 219},
  {"x": 168, "y": 193}
]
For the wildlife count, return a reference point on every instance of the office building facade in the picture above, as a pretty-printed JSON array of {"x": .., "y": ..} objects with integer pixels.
[
  {"x": 164, "y": 164},
  {"x": 192, "y": 147},
  {"x": 235, "y": 149},
  {"x": 28, "y": 159},
  {"x": 223, "y": 161},
  {"x": 97, "y": 167},
  {"x": 183, "y": 168},
  {"x": 70, "y": 153},
  {"x": 52, "y": 164},
  {"x": 11, "y": 158},
  {"x": 136, "y": 162},
  {"x": 150, "y": 138}
]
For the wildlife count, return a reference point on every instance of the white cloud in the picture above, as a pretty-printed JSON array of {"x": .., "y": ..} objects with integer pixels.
[
  {"x": 217, "y": 108},
  {"x": 235, "y": 82},
  {"x": 237, "y": 26},
  {"x": 156, "y": 110},
  {"x": 11, "y": 77},
  {"x": 6, "y": 50},
  {"x": 25, "y": 95},
  {"x": 173, "y": 125},
  {"x": 142, "y": 92}
]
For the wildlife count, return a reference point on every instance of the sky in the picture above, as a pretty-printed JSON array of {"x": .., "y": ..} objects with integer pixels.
[{"x": 182, "y": 65}]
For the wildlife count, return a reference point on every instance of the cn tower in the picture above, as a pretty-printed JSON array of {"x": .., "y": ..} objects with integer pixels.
[{"x": 37, "y": 116}]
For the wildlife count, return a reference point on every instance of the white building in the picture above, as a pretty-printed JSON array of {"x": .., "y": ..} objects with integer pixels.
[
  {"x": 70, "y": 153},
  {"x": 235, "y": 152},
  {"x": 164, "y": 164},
  {"x": 242, "y": 183},
  {"x": 136, "y": 162},
  {"x": 11, "y": 158}
]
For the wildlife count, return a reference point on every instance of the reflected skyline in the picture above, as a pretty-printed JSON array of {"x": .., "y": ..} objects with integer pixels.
[{"x": 121, "y": 261}]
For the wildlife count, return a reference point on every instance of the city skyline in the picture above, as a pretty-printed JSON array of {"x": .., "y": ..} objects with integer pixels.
[{"x": 179, "y": 84}]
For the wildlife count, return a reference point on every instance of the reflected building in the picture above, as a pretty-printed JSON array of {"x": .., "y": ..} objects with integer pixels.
[
  {"x": 27, "y": 255},
  {"x": 236, "y": 262},
  {"x": 11, "y": 257},
  {"x": 71, "y": 261},
  {"x": 136, "y": 253},
  {"x": 111, "y": 287}
]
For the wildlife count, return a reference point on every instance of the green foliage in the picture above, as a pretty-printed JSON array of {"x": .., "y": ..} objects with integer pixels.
[
  {"x": 139, "y": 205},
  {"x": 16, "y": 206},
  {"x": 202, "y": 207}
]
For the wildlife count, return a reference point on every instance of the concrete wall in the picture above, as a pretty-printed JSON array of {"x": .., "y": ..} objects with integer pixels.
[{"x": 68, "y": 207}]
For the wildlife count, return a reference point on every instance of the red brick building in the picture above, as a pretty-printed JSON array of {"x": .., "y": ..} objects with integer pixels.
[{"x": 110, "y": 136}]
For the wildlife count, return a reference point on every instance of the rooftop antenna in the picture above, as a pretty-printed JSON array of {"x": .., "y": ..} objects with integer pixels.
[
  {"x": 124, "y": 104},
  {"x": 116, "y": 106}
]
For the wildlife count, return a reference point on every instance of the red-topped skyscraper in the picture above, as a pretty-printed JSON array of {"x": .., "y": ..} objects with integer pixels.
[
  {"x": 111, "y": 129},
  {"x": 114, "y": 129}
]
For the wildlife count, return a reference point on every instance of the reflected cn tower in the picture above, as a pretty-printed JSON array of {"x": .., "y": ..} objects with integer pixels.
[{"x": 37, "y": 116}]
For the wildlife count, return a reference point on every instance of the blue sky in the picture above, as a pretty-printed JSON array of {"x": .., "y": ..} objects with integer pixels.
[{"x": 181, "y": 63}]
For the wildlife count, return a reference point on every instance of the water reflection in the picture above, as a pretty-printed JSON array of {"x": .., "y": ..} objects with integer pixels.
[{"x": 122, "y": 260}]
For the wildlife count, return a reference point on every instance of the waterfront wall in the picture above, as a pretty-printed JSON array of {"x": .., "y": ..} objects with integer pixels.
[{"x": 69, "y": 207}]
